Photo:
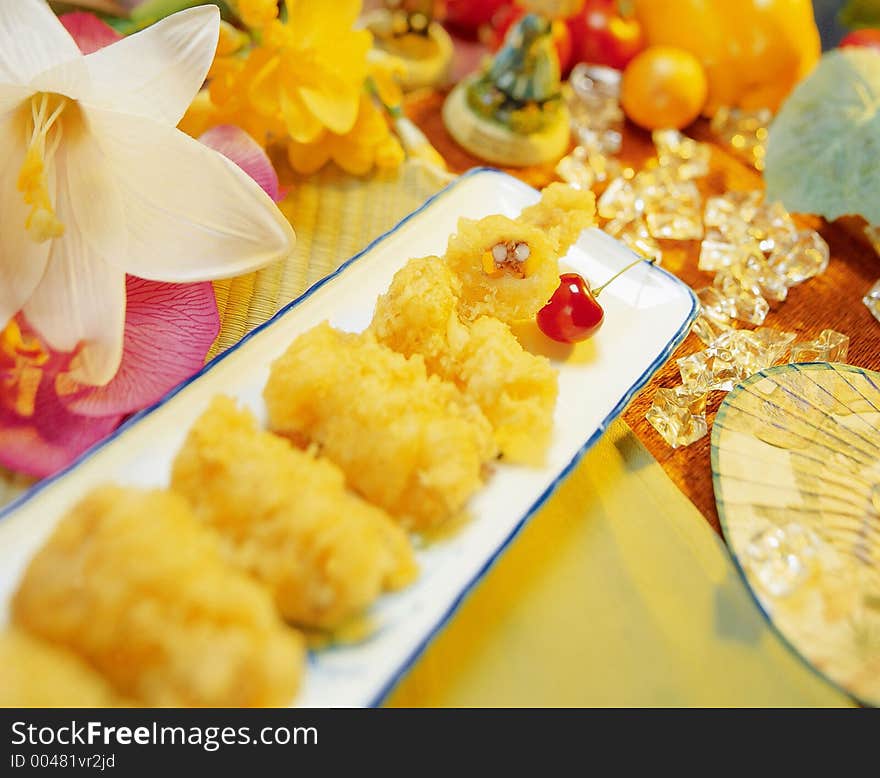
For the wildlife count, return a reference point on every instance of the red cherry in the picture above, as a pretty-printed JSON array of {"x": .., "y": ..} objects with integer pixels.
[
  {"x": 573, "y": 314},
  {"x": 867, "y": 38}
]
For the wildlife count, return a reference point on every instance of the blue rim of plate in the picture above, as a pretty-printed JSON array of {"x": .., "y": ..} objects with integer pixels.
[
  {"x": 717, "y": 426},
  {"x": 626, "y": 398}
]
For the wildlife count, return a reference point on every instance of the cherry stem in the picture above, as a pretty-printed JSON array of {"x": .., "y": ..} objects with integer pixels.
[{"x": 598, "y": 290}]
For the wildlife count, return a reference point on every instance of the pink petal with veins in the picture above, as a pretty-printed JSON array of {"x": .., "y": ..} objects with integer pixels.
[
  {"x": 52, "y": 439},
  {"x": 89, "y": 32},
  {"x": 235, "y": 144},
  {"x": 169, "y": 329}
]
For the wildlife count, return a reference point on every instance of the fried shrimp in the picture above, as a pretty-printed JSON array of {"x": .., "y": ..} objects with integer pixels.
[
  {"x": 407, "y": 442},
  {"x": 132, "y": 583},
  {"x": 563, "y": 212},
  {"x": 36, "y": 674},
  {"x": 515, "y": 390},
  {"x": 288, "y": 519}
]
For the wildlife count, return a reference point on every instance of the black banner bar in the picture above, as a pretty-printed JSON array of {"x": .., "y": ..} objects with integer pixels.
[{"x": 136, "y": 742}]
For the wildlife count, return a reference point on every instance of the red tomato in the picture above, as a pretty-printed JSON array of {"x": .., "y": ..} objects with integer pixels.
[
  {"x": 867, "y": 38},
  {"x": 506, "y": 17},
  {"x": 600, "y": 35},
  {"x": 573, "y": 314},
  {"x": 469, "y": 15}
]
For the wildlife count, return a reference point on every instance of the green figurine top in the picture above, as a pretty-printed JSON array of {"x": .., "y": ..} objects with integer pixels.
[{"x": 521, "y": 87}]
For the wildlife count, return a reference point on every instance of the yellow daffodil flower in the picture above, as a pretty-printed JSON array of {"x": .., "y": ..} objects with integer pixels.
[
  {"x": 308, "y": 72},
  {"x": 256, "y": 13},
  {"x": 368, "y": 144},
  {"x": 96, "y": 182}
]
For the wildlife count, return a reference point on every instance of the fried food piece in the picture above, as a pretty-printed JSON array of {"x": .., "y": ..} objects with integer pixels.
[
  {"x": 507, "y": 269},
  {"x": 288, "y": 519},
  {"x": 419, "y": 315},
  {"x": 563, "y": 212},
  {"x": 131, "y": 582},
  {"x": 34, "y": 674},
  {"x": 515, "y": 390},
  {"x": 407, "y": 442}
]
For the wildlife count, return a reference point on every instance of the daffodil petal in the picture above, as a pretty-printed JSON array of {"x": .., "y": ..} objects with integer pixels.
[
  {"x": 32, "y": 40},
  {"x": 157, "y": 72},
  {"x": 331, "y": 18},
  {"x": 309, "y": 158},
  {"x": 80, "y": 300},
  {"x": 22, "y": 261},
  {"x": 337, "y": 108},
  {"x": 302, "y": 125},
  {"x": 235, "y": 144},
  {"x": 189, "y": 214}
]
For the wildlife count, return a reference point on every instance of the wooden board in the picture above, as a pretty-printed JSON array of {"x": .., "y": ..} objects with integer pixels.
[{"x": 830, "y": 301}]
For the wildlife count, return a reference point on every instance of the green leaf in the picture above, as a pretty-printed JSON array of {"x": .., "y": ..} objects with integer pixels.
[
  {"x": 861, "y": 13},
  {"x": 823, "y": 154},
  {"x": 151, "y": 11}
]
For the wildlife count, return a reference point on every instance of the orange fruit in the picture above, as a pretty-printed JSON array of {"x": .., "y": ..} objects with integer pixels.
[{"x": 664, "y": 87}]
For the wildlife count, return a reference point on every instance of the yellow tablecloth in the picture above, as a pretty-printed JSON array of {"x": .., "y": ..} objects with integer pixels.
[{"x": 617, "y": 593}]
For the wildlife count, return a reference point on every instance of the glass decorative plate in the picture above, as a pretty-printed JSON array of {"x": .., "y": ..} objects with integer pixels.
[
  {"x": 648, "y": 312},
  {"x": 796, "y": 467}
]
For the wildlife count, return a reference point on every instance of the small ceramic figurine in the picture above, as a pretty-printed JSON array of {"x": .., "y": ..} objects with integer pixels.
[
  {"x": 513, "y": 112},
  {"x": 407, "y": 30}
]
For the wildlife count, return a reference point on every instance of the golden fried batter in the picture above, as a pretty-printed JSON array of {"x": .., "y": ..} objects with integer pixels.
[
  {"x": 409, "y": 443},
  {"x": 563, "y": 212},
  {"x": 288, "y": 519},
  {"x": 131, "y": 582},
  {"x": 515, "y": 390},
  {"x": 35, "y": 674},
  {"x": 507, "y": 269},
  {"x": 419, "y": 314}
]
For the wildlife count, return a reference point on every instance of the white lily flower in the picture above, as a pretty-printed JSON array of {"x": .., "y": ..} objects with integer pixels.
[{"x": 97, "y": 182}]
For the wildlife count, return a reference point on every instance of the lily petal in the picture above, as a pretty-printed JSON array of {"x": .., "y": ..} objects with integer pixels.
[
  {"x": 169, "y": 329},
  {"x": 157, "y": 72},
  {"x": 214, "y": 221},
  {"x": 32, "y": 40},
  {"x": 235, "y": 144},
  {"x": 52, "y": 438},
  {"x": 22, "y": 261},
  {"x": 80, "y": 300},
  {"x": 88, "y": 31}
]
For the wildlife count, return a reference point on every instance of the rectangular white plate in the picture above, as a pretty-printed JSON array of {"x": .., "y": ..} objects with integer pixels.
[{"x": 648, "y": 312}]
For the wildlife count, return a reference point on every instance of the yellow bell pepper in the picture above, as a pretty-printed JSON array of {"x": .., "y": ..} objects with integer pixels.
[{"x": 754, "y": 51}]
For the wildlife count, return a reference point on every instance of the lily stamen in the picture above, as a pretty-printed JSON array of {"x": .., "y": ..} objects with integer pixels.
[{"x": 42, "y": 222}]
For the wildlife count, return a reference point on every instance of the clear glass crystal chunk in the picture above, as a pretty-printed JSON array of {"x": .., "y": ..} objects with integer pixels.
[
  {"x": 872, "y": 300},
  {"x": 745, "y": 132},
  {"x": 679, "y": 415},
  {"x": 830, "y": 346},
  {"x": 804, "y": 258},
  {"x": 687, "y": 158},
  {"x": 743, "y": 301}
]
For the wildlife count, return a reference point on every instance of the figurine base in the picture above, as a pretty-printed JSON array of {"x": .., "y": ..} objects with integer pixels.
[
  {"x": 494, "y": 143},
  {"x": 421, "y": 72}
]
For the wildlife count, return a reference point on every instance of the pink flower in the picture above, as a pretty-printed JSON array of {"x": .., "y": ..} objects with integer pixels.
[{"x": 47, "y": 419}]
